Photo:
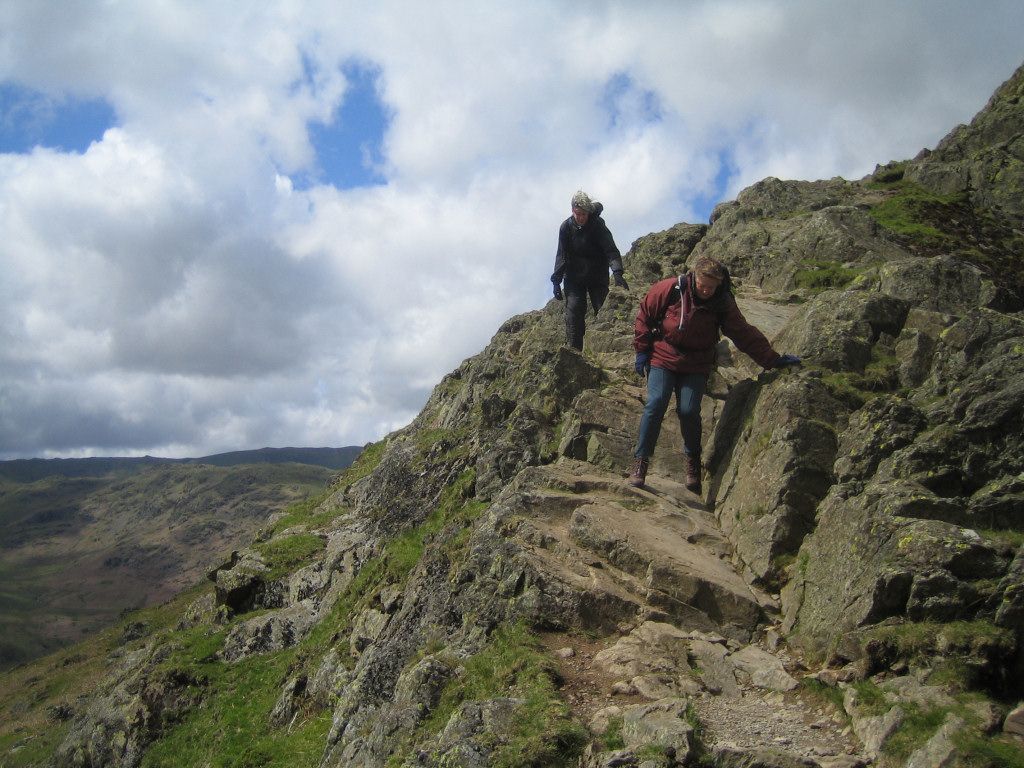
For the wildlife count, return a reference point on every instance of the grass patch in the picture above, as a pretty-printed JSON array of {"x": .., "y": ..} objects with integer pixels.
[
  {"x": 919, "y": 725},
  {"x": 513, "y": 665},
  {"x": 364, "y": 464},
  {"x": 823, "y": 275},
  {"x": 910, "y": 212},
  {"x": 914, "y": 638},
  {"x": 455, "y": 507},
  {"x": 285, "y": 553},
  {"x": 845, "y": 387},
  {"x": 888, "y": 175},
  {"x": 958, "y": 652},
  {"x": 229, "y": 728},
  {"x": 1006, "y": 536},
  {"x": 980, "y": 752},
  {"x": 612, "y": 738},
  {"x": 302, "y": 513},
  {"x": 880, "y": 375},
  {"x": 444, "y": 446},
  {"x": 828, "y": 694},
  {"x": 870, "y": 698}
]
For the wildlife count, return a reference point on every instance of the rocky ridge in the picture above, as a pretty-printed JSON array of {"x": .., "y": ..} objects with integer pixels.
[{"x": 483, "y": 588}]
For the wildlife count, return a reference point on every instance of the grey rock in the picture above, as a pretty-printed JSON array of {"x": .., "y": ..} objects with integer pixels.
[
  {"x": 366, "y": 628},
  {"x": 269, "y": 632},
  {"x": 1014, "y": 722},
  {"x": 763, "y": 669},
  {"x": 713, "y": 668},
  {"x": 728, "y": 756},
  {"x": 239, "y": 583},
  {"x": 661, "y": 723}
]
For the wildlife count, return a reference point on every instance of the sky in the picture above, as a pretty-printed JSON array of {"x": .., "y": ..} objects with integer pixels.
[{"x": 232, "y": 225}]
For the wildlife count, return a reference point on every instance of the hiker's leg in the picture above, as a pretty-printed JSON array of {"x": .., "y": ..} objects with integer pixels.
[
  {"x": 575, "y": 313},
  {"x": 598, "y": 293},
  {"x": 689, "y": 392},
  {"x": 659, "y": 392}
]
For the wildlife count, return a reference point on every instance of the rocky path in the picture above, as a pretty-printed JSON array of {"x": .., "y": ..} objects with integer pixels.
[{"x": 698, "y": 644}]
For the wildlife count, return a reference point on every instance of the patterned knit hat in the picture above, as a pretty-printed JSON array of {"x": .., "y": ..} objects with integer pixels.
[{"x": 582, "y": 201}]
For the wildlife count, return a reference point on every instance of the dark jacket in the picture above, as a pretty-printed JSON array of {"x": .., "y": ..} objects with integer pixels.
[
  {"x": 689, "y": 346},
  {"x": 585, "y": 254}
]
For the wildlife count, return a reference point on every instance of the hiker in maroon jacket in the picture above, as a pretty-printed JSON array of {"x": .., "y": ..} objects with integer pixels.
[
  {"x": 586, "y": 251},
  {"x": 675, "y": 335}
]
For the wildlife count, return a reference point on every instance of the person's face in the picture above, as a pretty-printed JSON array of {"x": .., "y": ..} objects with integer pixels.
[
  {"x": 705, "y": 285},
  {"x": 579, "y": 216}
]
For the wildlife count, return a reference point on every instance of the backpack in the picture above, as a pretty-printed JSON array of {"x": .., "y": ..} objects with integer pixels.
[{"x": 676, "y": 294}]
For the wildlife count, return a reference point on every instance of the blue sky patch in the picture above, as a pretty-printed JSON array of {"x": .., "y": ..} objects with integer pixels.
[
  {"x": 31, "y": 118},
  {"x": 627, "y": 104},
  {"x": 350, "y": 149},
  {"x": 705, "y": 202}
]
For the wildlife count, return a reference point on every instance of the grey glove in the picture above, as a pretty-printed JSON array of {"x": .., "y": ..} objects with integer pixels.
[
  {"x": 620, "y": 281},
  {"x": 558, "y": 291}
]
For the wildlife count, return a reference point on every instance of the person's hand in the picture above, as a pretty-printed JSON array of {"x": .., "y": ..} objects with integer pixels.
[
  {"x": 785, "y": 361},
  {"x": 643, "y": 363},
  {"x": 620, "y": 281},
  {"x": 558, "y": 291}
]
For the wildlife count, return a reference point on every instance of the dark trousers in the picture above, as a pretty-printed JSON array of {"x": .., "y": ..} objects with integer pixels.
[{"x": 576, "y": 307}]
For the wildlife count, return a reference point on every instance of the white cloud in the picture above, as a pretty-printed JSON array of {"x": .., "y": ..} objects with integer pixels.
[{"x": 172, "y": 291}]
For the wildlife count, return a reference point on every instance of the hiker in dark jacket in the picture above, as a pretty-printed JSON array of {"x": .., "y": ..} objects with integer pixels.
[
  {"x": 586, "y": 251},
  {"x": 675, "y": 335}
]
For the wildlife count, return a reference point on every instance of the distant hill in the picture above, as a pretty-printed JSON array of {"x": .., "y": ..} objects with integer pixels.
[
  {"x": 82, "y": 540},
  {"x": 30, "y": 470}
]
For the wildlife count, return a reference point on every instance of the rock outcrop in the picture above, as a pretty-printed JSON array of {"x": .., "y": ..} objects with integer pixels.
[{"x": 484, "y": 588}]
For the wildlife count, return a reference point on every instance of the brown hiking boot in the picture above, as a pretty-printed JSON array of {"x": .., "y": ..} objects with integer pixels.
[
  {"x": 639, "y": 472},
  {"x": 692, "y": 472}
]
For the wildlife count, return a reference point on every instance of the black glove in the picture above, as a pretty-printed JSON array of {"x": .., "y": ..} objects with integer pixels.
[
  {"x": 558, "y": 291},
  {"x": 643, "y": 363},
  {"x": 787, "y": 360},
  {"x": 620, "y": 280}
]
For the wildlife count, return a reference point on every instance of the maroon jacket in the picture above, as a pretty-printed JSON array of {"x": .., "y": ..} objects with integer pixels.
[{"x": 689, "y": 346}]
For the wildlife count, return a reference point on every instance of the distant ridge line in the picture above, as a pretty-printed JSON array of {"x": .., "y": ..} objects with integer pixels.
[{"x": 30, "y": 470}]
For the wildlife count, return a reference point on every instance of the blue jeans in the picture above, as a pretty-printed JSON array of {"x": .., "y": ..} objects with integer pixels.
[{"x": 688, "y": 389}]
